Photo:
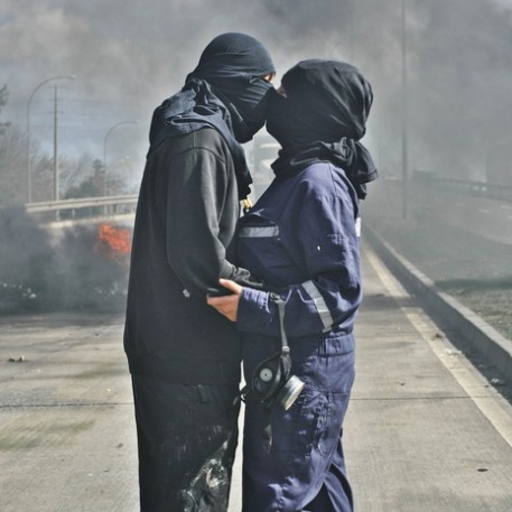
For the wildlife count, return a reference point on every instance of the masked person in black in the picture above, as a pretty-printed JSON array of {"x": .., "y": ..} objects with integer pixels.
[
  {"x": 301, "y": 239},
  {"x": 184, "y": 358}
]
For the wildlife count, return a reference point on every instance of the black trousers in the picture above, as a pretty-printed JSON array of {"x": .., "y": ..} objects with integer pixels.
[{"x": 187, "y": 436}]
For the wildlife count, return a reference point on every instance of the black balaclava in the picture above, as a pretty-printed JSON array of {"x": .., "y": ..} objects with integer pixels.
[
  {"x": 322, "y": 117},
  {"x": 234, "y": 64},
  {"x": 226, "y": 92}
]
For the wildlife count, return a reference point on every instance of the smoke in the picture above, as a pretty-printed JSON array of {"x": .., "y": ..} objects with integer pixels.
[
  {"x": 460, "y": 101},
  {"x": 78, "y": 271},
  {"x": 90, "y": 274},
  {"x": 26, "y": 257},
  {"x": 127, "y": 56}
]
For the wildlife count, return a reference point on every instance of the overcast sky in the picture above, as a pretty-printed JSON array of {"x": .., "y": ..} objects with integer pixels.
[{"x": 129, "y": 55}]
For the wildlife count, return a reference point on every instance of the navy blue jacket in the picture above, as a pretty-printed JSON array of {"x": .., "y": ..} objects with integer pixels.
[{"x": 301, "y": 239}]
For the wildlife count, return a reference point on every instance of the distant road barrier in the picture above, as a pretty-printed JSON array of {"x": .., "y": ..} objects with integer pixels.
[
  {"x": 112, "y": 204},
  {"x": 500, "y": 192},
  {"x": 71, "y": 205}
]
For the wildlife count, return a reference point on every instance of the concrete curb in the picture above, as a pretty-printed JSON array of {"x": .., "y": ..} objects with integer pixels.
[{"x": 493, "y": 346}]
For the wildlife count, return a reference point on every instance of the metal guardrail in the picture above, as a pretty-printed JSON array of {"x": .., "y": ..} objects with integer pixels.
[
  {"x": 474, "y": 188},
  {"x": 75, "y": 204}
]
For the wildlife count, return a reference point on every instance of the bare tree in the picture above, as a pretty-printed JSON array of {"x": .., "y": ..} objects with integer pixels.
[
  {"x": 4, "y": 93},
  {"x": 13, "y": 174},
  {"x": 74, "y": 172}
]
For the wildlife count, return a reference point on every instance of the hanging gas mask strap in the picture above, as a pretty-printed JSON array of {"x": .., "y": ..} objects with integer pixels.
[
  {"x": 286, "y": 361},
  {"x": 286, "y": 389},
  {"x": 268, "y": 374},
  {"x": 271, "y": 381},
  {"x": 285, "y": 367}
]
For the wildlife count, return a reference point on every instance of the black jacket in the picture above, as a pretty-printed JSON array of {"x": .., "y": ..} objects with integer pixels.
[{"x": 185, "y": 224}]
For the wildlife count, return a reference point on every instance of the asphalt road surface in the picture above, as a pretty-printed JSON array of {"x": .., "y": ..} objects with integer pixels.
[{"x": 424, "y": 430}]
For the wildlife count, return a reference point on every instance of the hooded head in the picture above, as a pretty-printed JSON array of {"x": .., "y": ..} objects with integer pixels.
[
  {"x": 234, "y": 65},
  {"x": 325, "y": 101}
]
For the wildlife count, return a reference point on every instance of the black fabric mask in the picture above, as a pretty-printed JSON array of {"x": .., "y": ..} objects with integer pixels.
[
  {"x": 325, "y": 100},
  {"x": 285, "y": 122},
  {"x": 248, "y": 108},
  {"x": 322, "y": 117},
  {"x": 224, "y": 92},
  {"x": 234, "y": 64}
]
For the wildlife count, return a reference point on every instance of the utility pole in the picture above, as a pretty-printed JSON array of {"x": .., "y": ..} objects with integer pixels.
[
  {"x": 55, "y": 149},
  {"x": 352, "y": 21},
  {"x": 29, "y": 169},
  {"x": 405, "y": 108}
]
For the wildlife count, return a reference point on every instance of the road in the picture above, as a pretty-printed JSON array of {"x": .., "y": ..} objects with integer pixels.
[
  {"x": 424, "y": 429},
  {"x": 488, "y": 218},
  {"x": 67, "y": 430}
]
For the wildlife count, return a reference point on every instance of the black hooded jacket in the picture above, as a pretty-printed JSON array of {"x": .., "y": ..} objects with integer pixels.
[{"x": 186, "y": 219}]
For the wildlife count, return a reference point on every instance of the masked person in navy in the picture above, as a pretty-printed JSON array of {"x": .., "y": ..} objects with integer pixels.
[
  {"x": 184, "y": 358},
  {"x": 301, "y": 239}
]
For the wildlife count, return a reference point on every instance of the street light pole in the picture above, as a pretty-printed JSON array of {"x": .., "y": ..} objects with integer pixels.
[
  {"x": 405, "y": 108},
  {"x": 55, "y": 150},
  {"x": 105, "y": 187},
  {"x": 352, "y": 30},
  {"x": 29, "y": 171}
]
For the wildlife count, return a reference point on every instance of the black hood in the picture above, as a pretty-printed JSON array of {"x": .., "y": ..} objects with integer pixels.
[
  {"x": 234, "y": 65},
  {"x": 323, "y": 117},
  {"x": 224, "y": 92}
]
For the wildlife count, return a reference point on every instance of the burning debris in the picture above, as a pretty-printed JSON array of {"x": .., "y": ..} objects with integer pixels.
[
  {"x": 113, "y": 242},
  {"x": 96, "y": 263},
  {"x": 86, "y": 270}
]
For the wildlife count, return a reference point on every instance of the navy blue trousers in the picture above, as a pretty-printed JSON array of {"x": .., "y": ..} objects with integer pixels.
[{"x": 304, "y": 470}]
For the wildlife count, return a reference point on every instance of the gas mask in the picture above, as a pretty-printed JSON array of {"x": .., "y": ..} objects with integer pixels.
[{"x": 271, "y": 381}]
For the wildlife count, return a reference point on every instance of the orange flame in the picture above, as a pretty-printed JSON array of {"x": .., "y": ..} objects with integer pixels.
[{"x": 118, "y": 241}]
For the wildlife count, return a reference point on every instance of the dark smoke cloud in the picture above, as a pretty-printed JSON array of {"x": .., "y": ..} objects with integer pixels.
[
  {"x": 461, "y": 68},
  {"x": 26, "y": 260},
  {"x": 129, "y": 55},
  {"x": 75, "y": 272}
]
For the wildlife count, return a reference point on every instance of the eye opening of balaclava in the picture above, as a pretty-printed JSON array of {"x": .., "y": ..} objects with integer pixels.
[
  {"x": 325, "y": 101},
  {"x": 235, "y": 64}
]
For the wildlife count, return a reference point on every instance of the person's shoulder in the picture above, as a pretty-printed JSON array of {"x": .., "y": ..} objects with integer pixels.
[
  {"x": 207, "y": 142},
  {"x": 209, "y": 139},
  {"x": 317, "y": 174},
  {"x": 323, "y": 178},
  {"x": 205, "y": 138},
  {"x": 210, "y": 142},
  {"x": 320, "y": 166}
]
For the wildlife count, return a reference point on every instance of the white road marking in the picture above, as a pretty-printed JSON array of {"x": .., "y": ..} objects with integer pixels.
[{"x": 492, "y": 405}]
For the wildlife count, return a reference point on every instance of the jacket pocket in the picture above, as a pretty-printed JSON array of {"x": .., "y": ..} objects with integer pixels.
[
  {"x": 261, "y": 249},
  {"x": 331, "y": 424},
  {"x": 320, "y": 423},
  {"x": 335, "y": 252},
  {"x": 311, "y": 424}
]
